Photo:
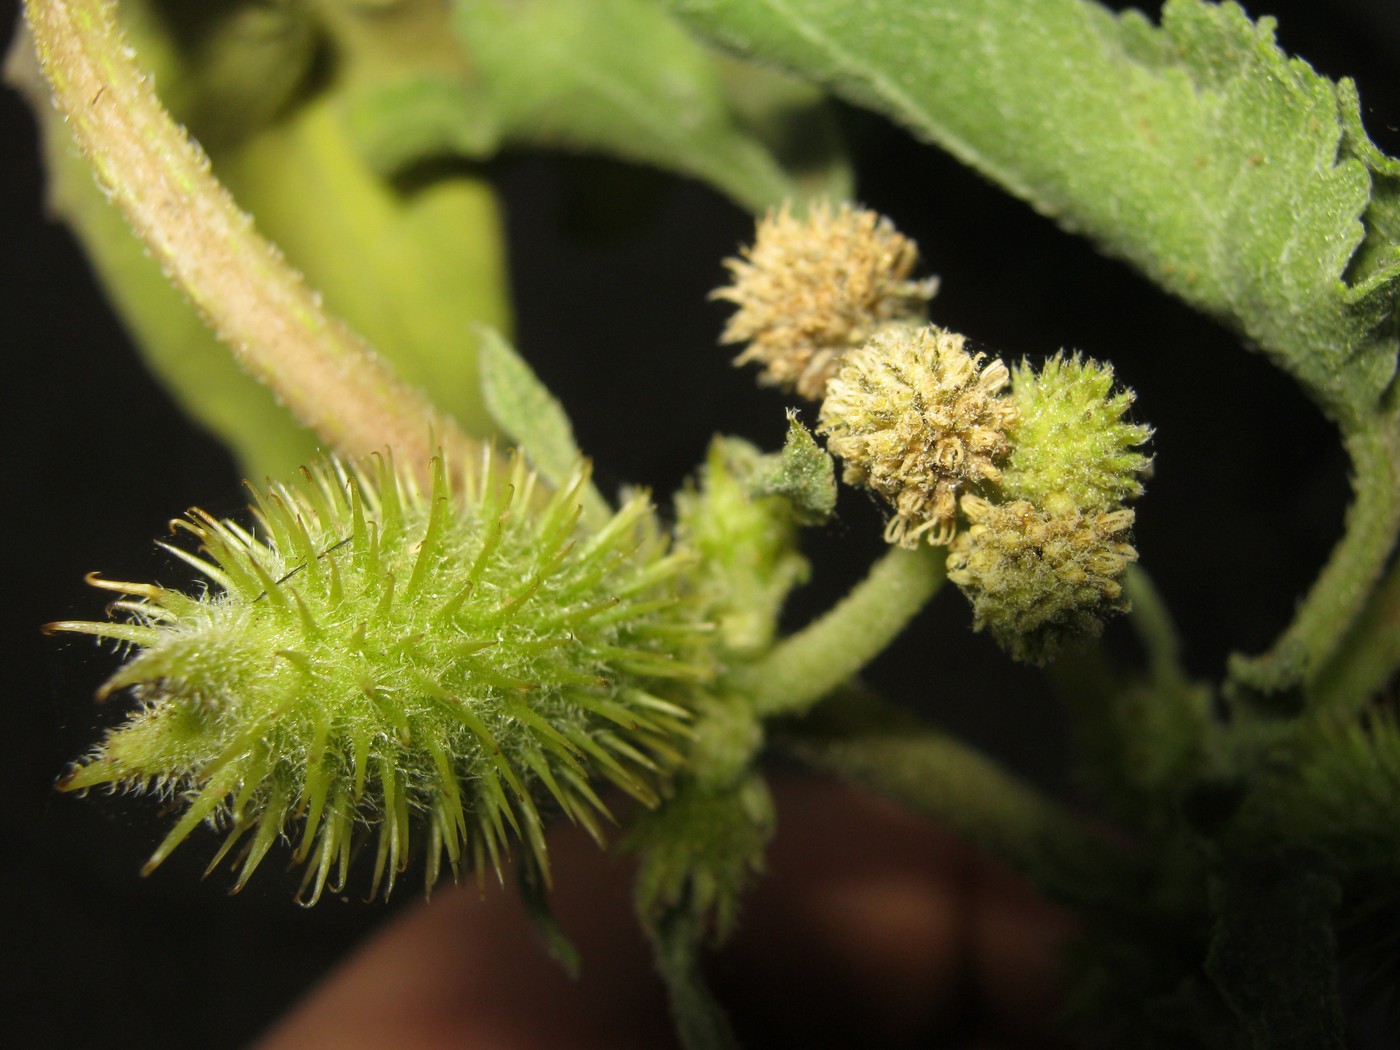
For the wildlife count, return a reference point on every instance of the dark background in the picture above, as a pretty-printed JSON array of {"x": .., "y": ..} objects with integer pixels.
[{"x": 1247, "y": 498}]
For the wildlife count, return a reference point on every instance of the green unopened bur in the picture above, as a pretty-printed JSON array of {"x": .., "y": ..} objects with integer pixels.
[{"x": 436, "y": 669}]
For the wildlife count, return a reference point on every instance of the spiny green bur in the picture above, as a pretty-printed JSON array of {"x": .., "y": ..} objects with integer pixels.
[
  {"x": 1071, "y": 437},
  {"x": 381, "y": 663}
]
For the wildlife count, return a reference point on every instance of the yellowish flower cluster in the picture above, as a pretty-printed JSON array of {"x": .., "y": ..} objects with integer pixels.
[
  {"x": 914, "y": 417},
  {"x": 812, "y": 288},
  {"x": 1039, "y": 463}
]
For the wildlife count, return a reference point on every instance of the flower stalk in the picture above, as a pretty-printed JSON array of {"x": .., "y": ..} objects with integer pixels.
[
  {"x": 834, "y": 648},
  {"x": 860, "y": 738},
  {"x": 325, "y": 374}
]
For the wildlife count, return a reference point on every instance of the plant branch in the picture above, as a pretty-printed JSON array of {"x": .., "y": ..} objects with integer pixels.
[
  {"x": 1156, "y": 630},
  {"x": 861, "y": 738},
  {"x": 1370, "y": 653},
  {"x": 324, "y": 373},
  {"x": 831, "y": 650},
  {"x": 1342, "y": 589}
]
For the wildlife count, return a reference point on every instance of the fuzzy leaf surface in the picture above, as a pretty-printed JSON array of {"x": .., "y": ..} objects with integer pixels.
[
  {"x": 1235, "y": 177},
  {"x": 623, "y": 78}
]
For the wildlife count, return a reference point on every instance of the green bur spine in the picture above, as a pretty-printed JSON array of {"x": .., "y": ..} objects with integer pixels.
[{"x": 377, "y": 662}]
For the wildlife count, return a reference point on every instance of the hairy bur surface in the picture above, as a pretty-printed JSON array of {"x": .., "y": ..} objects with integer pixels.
[
  {"x": 380, "y": 666},
  {"x": 1038, "y": 579},
  {"x": 1072, "y": 438}
]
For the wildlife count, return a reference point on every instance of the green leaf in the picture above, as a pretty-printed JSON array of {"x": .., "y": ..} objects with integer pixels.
[
  {"x": 803, "y": 474},
  {"x": 532, "y": 418},
  {"x": 225, "y": 68},
  {"x": 621, "y": 77},
  {"x": 417, "y": 119},
  {"x": 1235, "y": 177},
  {"x": 416, "y": 272}
]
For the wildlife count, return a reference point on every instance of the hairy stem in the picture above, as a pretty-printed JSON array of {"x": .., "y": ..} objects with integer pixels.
[
  {"x": 1369, "y": 655},
  {"x": 861, "y": 738},
  {"x": 1346, "y": 582},
  {"x": 833, "y": 649},
  {"x": 1156, "y": 630},
  {"x": 324, "y": 373}
]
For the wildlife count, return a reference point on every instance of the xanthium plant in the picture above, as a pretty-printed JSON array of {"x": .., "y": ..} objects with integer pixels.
[
  {"x": 378, "y": 660},
  {"x": 437, "y": 662}
]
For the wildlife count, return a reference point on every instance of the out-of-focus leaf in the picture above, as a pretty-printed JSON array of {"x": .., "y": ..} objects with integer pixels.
[
  {"x": 622, "y": 77},
  {"x": 413, "y": 267},
  {"x": 417, "y": 120}
]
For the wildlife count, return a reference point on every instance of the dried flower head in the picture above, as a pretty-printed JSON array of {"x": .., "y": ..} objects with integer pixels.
[
  {"x": 1040, "y": 578},
  {"x": 915, "y": 417},
  {"x": 385, "y": 663},
  {"x": 812, "y": 288},
  {"x": 1071, "y": 436}
]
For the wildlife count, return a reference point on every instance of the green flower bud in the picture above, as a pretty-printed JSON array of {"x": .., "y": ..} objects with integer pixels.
[
  {"x": 1040, "y": 578},
  {"x": 746, "y": 546},
  {"x": 379, "y": 662},
  {"x": 1071, "y": 437},
  {"x": 812, "y": 288},
  {"x": 701, "y": 851}
]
